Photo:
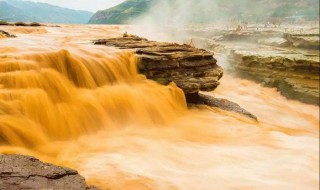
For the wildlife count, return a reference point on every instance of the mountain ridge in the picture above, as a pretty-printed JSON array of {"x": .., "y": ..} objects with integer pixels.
[
  {"x": 259, "y": 10},
  {"x": 122, "y": 13},
  {"x": 28, "y": 11}
]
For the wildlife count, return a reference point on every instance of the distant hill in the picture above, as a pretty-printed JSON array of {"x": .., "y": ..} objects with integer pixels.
[
  {"x": 122, "y": 13},
  {"x": 11, "y": 13},
  {"x": 211, "y": 10},
  {"x": 27, "y": 11}
]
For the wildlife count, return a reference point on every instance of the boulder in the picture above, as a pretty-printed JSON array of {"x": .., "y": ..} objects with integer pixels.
[
  {"x": 192, "y": 69},
  {"x": 25, "y": 172}
]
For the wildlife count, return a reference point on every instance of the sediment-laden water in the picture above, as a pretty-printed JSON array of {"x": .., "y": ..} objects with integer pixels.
[{"x": 70, "y": 103}]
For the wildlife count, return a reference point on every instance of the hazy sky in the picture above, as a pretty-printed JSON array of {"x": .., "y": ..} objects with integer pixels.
[{"x": 89, "y": 5}]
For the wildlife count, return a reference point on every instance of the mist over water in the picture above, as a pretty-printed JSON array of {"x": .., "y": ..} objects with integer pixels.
[
  {"x": 165, "y": 18},
  {"x": 86, "y": 107}
]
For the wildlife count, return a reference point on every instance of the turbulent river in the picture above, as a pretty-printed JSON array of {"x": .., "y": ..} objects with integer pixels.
[{"x": 73, "y": 104}]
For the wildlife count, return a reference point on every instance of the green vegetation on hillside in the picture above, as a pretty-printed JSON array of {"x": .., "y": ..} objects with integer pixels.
[
  {"x": 211, "y": 10},
  {"x": 11, "y": 13},
  {"x": 122, "y": 13}
]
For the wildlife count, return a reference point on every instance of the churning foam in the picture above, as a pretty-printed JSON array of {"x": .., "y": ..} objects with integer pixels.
[{"x": 86, "y": 107}]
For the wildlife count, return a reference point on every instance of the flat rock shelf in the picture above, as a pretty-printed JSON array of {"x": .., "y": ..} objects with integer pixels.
[{"x": 192, "y": 69}]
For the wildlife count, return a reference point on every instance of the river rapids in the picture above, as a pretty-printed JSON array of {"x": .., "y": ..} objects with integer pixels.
[{"x": 73, "y": 104}]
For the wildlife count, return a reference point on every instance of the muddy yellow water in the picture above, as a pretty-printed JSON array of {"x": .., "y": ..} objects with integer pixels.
[{"x": 70, "y": 103}]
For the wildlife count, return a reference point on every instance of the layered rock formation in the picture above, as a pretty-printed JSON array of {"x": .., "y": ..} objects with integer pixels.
[
  {"x": 285, "y": 58},
  {"x": 202, "y": 99},
  {"x": 192, "y": 69},
  {"x": 296, "y": 75},
  {"x": 24, "y": 172},
  {"x": 306, "y": 41},
  {"x": 272, "y": 37}
]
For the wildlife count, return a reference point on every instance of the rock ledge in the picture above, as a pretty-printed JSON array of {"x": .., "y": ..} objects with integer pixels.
[
  {"x": 192, "y": 69},
  {"x": 25, "y": 172}
]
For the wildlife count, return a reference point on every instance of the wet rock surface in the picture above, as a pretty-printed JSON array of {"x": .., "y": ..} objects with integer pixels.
[
  {"x": 286, "y": 58},
  {"x": 24, "y": 172},
  {"x": 295, "y": 75},
  {"x": 192, "y": 69},
  {"x": 202, "y": 99}
]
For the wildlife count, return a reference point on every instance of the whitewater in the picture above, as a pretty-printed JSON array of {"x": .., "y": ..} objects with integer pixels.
[{"x": 70, "y": 103}]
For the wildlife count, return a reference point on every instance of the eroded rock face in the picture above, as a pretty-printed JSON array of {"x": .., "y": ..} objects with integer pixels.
[
  {"x": 286, "y": 58},
  {"x": 24, "y": 172},
  {"x": 192, "y": 69},
  {"x": 295, "y": 75}
]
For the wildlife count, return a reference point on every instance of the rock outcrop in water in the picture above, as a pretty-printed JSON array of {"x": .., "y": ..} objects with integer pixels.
[
  {"x": 285, "y": 58},
  {"x": 33, "y": 24},
  {"x": 297, "y": 76},
  {"x": 202, "y": 99},
  {"x": 24, "y": 172},
  {"x": 192, "y": 69}
]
